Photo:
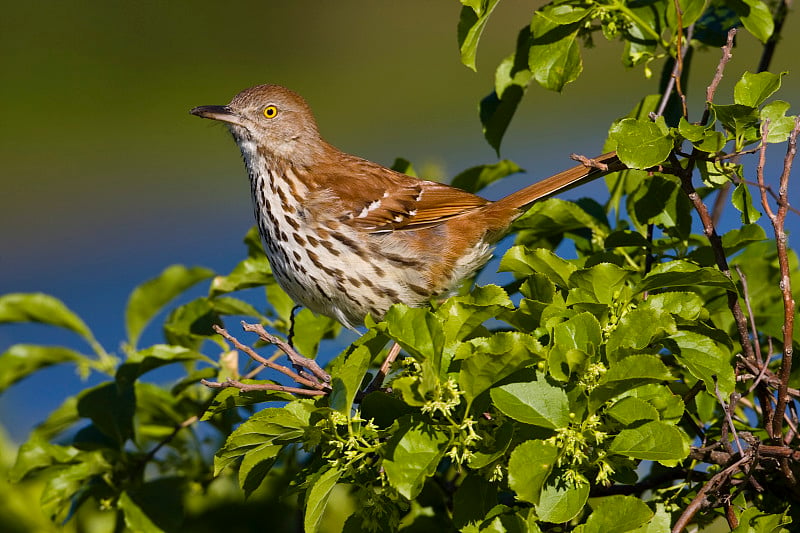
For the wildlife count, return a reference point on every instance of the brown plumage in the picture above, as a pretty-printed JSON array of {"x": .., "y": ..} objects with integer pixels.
[{"x": 346, "y": 236}]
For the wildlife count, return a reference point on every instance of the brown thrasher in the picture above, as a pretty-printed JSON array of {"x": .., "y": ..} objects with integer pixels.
[{"x": 346, "y": 236}]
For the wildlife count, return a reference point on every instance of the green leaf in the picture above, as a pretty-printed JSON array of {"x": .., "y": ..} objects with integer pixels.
[
  {"x": 627, "y": 373},
  {"x": 473, "y": 499},
  {"x": 756, "y": 17},
  {"x": 511, "y": 80},
  {"x": 780, "y": 125},
  {"x": 476, "y": 178},
  {"x": 317, "y": 498},
  {"x": 684, "y": 275},
  {"x": 573, "y": 340},
  {"x": 230, "y": 398},
  {"x": 686, "y": 305},
  {"x": 346, "y": 381},
  {"x": 22, "y": 360},
  {"x": 487, "y": 360},
  {"x": 493, "y": 446},
  {"x": 641, "y": 143},
  {"x": 190, "y": 324},
  {"x": 600, "y": 283},
  {"x": 154, "y": 357},
  {"x": 640, "y": 367},
  {"x": 59, "y": 420},
  {"x": 149, "y": 297},
  {"x": 135, "y": 517},
  {"x": 661, "y": 201},
  {"x": 529, "y": 466},
  {"x": 36, "y": 454},
  {"x": 740, "y": 121},
  {"x": 752, "y": 90},
  {"x": 273, "y": 425},
  {"x": 417, "y": 330},
  {"x": 555, "y": 217},
  {"x": 234, "y": 306},
  {"x": 66, "y": 485},
  {"x": 523, "y": 261},
  {"x": 555, "y": 56},
  {"x": 670, "y": 406},
  {"x": 561, "y": 500},
  {"x": 534, "y": 401},
  {"x": 617, "y": 514},
  {"x": 42, "y": 309},
  {"x": 412, "y": 454},
  {"x": 631, "y": 409},
  {"x": 462, "y": 315},
  {"x": 652, "y": 441},
  {"x": 742, "y": 201},
  {"x": 472, "y": 21},
  {"x": 251, "y": 272},
  {"x": 690, "y": 12},
  {"x": 111, "y": 408},
  {"x": 496, "y": 112},
  {"x": 155, "y": 505},
  {"x": 702, "y": 137},
  {"x": 638, "y": 329},
  {"x": 313, "y": 328},
  {"x": 706, "y": 360},
  {"x": 404, "y": 166}
]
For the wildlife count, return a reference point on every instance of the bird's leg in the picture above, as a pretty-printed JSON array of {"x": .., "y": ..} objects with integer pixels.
[{"x": 290, "y": 336}]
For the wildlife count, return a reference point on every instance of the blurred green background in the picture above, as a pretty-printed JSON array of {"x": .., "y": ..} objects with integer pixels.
[{"x": 106, "y": 178}]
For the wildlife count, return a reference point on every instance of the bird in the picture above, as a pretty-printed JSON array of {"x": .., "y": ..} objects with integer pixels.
[{"x": 347, "y": 237}]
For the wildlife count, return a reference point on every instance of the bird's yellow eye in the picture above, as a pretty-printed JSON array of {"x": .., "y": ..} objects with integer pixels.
[{"x": 270, "y": 111}]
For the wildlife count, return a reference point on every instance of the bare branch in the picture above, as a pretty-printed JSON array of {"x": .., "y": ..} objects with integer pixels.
[
  {"x": 266, "y": 362},
  {"x": 247, "y": 387},
  {"x": 778, "y": 224},
  {"x": 712, "y": 88},
  {"x": 298, "y": 361},
  {"x": 711, "y": 486}
]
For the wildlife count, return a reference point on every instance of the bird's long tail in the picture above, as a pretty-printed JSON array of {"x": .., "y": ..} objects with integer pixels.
[{"x": 561, "y": 182}]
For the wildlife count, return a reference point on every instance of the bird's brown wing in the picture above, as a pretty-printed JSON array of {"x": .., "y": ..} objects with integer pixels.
[{"x": 376, "y": 199}]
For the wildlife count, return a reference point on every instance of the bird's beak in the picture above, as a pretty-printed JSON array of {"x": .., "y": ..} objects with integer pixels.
[{"x": 222, "y": 113}]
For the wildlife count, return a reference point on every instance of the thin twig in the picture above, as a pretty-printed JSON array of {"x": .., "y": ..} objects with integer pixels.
[
  {"x": 778, "y": 224},
  {"x": 712, "y": 88},
  {"x": 724, "y": 432},
  {"x": 753, "y": 329},
  {"x": 715, "y": 241},
  {"x": 377, "y": 381},
  {"x": 298, "y": 361},
  {"x": 589, "y": 162},
  {"x": 266, "y": 362},
  {"x": 247, "y": 387},
  {"x": 710, "y": 486}
]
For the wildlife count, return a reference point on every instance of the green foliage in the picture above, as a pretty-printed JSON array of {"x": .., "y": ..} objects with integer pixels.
[{"x": 526, "y": 407}]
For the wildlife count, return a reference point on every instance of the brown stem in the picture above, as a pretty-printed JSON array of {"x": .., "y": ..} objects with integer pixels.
[
  {"x": 715, "y": 241},
  {"x": 710, "y": 486},
  {"x": 384, "y": 369},
  {"x": 753, "y": 329},
  {"x": 298, "y": 361},
  {"x": 712, "y": 88},
  {"x": 778, "y": 221},
  {"x": 247, "y": 387},
  {"x": 266, "y": 362}
]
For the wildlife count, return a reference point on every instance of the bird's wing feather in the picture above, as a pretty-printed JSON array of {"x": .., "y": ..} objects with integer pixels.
[{"x": 375, "y": 199}]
